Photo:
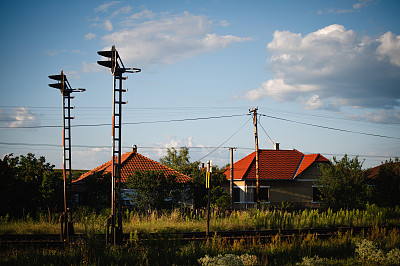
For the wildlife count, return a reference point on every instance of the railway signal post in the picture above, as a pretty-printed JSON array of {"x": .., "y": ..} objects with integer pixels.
[
  {"x": 114, "y": 62},
  {"x": 66, "y": 222}
]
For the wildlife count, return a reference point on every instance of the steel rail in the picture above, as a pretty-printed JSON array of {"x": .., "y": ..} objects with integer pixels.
[{"x": 53, "y": 240}]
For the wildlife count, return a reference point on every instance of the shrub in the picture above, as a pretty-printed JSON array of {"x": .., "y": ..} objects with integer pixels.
[
  {"x": 368, "y": 251},
  {"x": 228, "y": 259},
  {"x": 316, "y": 260},
  {"x": 393, "y": 257}
]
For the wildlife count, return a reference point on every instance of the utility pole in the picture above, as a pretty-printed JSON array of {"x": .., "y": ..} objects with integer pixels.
[
  {"x": 67, "y": 226},
  {"x": 254, "y": 111},
  {"x": 231, "y": 175},
  {"x": 208, "y": 177},
  {"x": 117, "y": 70}
]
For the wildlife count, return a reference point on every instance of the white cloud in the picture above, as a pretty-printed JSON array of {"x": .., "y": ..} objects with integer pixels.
[
  {"x": 91, "y": 67},
  {"x": 172, "y": 142},
  {"x": 168, "y": 39},
  {"x": 90, "y": 36},
  {"x": 278, "y": 90},
  {"x": 389, "y": 48},
  {"x": 72, "y": 74},
  {"x": 224, "y": 23},
  {"x": 354, "y": 8},
  {"x": 123, "y": 10},
  {"x": 335, "y": 64},
  {"x": 105, "y": 25},
  {"x": 314, "y": 102},
  {"x": 19, "y": 117},
  {"x": 108, "y": 25},
  {"x": 362, "y": 3},
  {"x": 381, "y": 116},
  {"x": 104, "y": 7},
  {"x": 134, "y": 18}
]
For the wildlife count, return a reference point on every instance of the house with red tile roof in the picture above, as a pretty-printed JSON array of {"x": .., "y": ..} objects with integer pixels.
[
  {"x": 284, "y": 176},
  {"x": 130, "y": 163},
  {"x": 374, "y": 171}
]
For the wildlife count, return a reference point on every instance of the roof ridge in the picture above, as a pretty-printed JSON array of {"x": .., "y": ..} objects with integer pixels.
[
  {"x": 298, "y": 167},
  {"x": 125, "y": 160},
  {"x": 160, "y": 164}
]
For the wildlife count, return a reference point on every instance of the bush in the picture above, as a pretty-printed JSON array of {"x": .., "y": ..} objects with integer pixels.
[
  {"x": 368, "y": 251},
  {"x": 228, "y": 259},
  {"x": 307, "y": 261},
  {"x": 393, "y": 256}
]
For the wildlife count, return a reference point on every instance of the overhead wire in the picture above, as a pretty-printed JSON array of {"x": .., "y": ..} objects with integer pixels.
[
  {"x": 331, "y": 128},
  {"x": 259, "y": 122},
  {"x": 127, "y": 123},
  {"x": 105, "y": 147},
  {"x": 224, "y": 141}
]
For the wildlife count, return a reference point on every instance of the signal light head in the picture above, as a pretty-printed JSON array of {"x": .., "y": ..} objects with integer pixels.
[
  {"x": 63, "y": 84},
  {"x": 112, "y": 64}
]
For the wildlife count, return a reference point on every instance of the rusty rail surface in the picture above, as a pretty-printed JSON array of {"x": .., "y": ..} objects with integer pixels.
[{"x": 47, "y": 240}]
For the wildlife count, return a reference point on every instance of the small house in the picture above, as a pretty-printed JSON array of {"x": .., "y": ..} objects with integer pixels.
[
  {"x": 285, "y": 176},
  {"x": 130, "y": 163}
]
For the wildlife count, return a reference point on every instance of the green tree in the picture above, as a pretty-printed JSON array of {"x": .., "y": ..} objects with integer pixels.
[
  {"x": 198, "y": 191},
  {"x": 52, "y": 188},
  {"x": 98, "y": 187},
  {"x": 28, "y": 183},
  {"x": 154, "y": 190},
  {"x": 386, "y": 192},
  {"x": 343, "y": 184},
  {"x": 178, "y": 160},
  {"x": 8, "y": 187}
]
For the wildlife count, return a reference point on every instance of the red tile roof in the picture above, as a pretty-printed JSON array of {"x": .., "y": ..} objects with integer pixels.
[
  {"x": 131, "y": 162},
  {"x": 374, "y": 171},
  {"x": 274, "y": 165}
]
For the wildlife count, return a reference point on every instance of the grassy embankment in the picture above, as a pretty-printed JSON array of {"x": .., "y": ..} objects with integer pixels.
[
  {"x": 376, "y": 247},
  {"x": 86, "y": 221}
]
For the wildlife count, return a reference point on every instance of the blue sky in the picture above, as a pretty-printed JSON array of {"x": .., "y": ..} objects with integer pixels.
[{"x": 325, "y": 76}]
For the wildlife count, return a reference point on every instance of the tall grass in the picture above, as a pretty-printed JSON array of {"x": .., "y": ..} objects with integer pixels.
[
  {"x": 340, "y": 249},
  {"x": 88, "y": 221}
]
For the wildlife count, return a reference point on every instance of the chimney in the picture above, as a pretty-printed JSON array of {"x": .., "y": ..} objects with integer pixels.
[
  {"x": 134, "y": 148},
  {"x": 276, "y": 146}
]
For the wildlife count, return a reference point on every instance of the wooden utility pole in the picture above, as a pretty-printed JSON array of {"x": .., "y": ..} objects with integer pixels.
[{"x": 254, "y": 111}]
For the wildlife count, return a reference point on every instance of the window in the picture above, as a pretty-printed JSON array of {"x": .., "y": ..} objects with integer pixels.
[
  {"x": 264, "y": 194},
  {"x": 316, "y": 194},
  {"x": 236, "y": 194},
  {"x": 248, "y": 194}
]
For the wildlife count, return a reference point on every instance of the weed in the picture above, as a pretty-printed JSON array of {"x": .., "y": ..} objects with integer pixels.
[{"x": 228, "y": 259}]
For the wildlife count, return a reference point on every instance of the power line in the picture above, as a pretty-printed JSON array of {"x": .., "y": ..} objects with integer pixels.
[
  {"x": 190, "y": 147},
  {"x": 331, "y": 128},
  {"x": 128, "y": 123},
  {"x": 224, "y": 141},
  {"x": 207, "y": 118},
  {"x": 259, "y": 122},
  {"x": 102, "y": 146}
]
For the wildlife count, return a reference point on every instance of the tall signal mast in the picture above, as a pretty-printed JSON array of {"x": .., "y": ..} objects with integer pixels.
[
  {"x": 67, "y": 227},
  {"x": 117, "y": 68}
]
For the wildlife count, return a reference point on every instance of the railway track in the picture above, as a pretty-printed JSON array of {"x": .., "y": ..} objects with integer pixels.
[{"x": 53, "y": 240}]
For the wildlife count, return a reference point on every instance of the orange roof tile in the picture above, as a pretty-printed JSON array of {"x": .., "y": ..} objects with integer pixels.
[
  {"x": 374, "y": 171},
  {"x": 131, "y": 162},
  {"x": 309, "y": 159},
  {"x": 274, "y": 165}
]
